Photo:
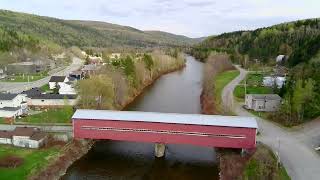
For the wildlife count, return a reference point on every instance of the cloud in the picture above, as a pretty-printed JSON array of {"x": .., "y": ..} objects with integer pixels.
[{"x": 193, "y": 18}]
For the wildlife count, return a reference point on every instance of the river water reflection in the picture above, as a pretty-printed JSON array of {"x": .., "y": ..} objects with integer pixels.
[{"x": 176, "y": 92}]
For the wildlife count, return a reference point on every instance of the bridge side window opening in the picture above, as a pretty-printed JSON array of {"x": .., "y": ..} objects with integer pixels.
[{"x": 233, "y": 136}]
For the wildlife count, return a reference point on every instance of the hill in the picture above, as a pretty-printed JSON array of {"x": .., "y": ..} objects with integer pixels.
[
  {"x": 68, "y": 33},
  {"x": 267, "y": 43}
]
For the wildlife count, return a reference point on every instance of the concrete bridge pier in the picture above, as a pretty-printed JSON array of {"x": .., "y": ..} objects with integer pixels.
[{"x": 159, "y": 150}]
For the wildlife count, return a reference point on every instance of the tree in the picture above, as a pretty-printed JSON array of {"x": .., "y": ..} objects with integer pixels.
[
  {"x": 97, "y": 92},
  {"x": 147, "y": 59},
  {"x": 301, "y": 96}
]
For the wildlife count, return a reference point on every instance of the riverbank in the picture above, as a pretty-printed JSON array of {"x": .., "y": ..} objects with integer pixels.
[
  {"x": 71, "y": 152},
  {"x": 214, "y": 81},
  {"x": 260, "y": 164}
]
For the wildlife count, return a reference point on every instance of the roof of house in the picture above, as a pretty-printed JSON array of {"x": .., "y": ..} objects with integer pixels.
[
  {"x": 10, "y": 109},
  {"x": 266, "y": 96},
  {"x": 5, "y": 134},
  {"x": 172, "y": 118},
  {"x": 33, "y": 91},
  {"x": 7, "y": 96},
  {"x": 24, "y": 131},
  {"x": 280, "y": 58},
  {"x": 57, "y": 78},
  {"x": 53, "y": 96},
  {"x": 38, "y": 136},
  {"x": 76, "y": 73},
  {"x": 90, "y": 67}
]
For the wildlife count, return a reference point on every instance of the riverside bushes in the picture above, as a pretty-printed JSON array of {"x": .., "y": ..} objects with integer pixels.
[
  {"x": 215, "y": 64},
  {"x": 120, "y": 80}
]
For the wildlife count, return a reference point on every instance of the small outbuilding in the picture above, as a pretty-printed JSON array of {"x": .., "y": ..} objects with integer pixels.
[
  {"x": 263, "y": 102},
  {"x": 28, "y": 137},
  {"x": 5, "y": 137}
]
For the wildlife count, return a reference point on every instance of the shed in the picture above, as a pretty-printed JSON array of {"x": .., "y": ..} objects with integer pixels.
[
  {"x": 263, "y": 102},
  {"x": 5, "y": 137}
]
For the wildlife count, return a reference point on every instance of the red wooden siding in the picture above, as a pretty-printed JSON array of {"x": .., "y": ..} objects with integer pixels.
[{"x": 211, "y": 136}]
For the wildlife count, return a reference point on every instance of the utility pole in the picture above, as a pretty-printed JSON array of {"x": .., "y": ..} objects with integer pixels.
[{"x": 278, "y": 154}]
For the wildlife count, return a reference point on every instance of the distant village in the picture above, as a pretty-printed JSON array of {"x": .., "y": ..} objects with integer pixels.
[{"x": 60, "y": 92}]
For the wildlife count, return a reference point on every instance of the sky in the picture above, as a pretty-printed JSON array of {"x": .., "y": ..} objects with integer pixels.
[{"x": 192, "y": 18}]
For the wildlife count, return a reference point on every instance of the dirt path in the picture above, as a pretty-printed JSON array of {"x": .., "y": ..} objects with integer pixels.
[{"x": 296, "y": 146}]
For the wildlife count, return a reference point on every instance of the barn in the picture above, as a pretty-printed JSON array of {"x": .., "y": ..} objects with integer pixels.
[{"x": 166, "y": 128}]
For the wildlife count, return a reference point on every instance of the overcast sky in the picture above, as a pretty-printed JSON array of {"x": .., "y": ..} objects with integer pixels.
[{"x": 193, "y": 18}]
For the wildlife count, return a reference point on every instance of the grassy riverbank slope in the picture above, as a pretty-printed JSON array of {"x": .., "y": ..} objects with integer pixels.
[
  {"x": 32, "y": 161},
  {"x": 261, "y": 164},
  {"x": 213, "y": 83}
]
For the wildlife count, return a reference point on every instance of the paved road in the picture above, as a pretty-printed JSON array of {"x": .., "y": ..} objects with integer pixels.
[
  {"x": 16, "y": 87},
  {"x": 296, "y": 145}
]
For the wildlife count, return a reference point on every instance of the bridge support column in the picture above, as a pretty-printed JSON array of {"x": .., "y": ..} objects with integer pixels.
[{"x": 159, "y": 150}]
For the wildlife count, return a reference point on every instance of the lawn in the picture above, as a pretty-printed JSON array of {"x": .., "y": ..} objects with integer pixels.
[
  {"x": 2, "y": 120},
  {"x": 25, "y": 78},
  {"x": 62, "y": 115},
  {"x": 264, "y": 164},
  {"x": 239, "y": 91},
  {"x": 254, "y": 86},
  {"x": 45, "y": 88},
  {"x": 221, "y": 80},
  {"x": 33, "y": 161}
]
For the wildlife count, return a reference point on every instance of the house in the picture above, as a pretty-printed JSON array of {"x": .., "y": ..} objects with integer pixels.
[
  {"x": 67, "y": 88},
  {"x": 48, "y": 100},
  {"x": 270, "y": 81},
  {"x": 2, "y": 74},
  {"x": 57, "y": 80},
  {"x": 5, "y": 137},
  {"x": 78, "y": 75},
  {"x": 28, "y": 67},
  {"x": 13, "y": 105},
  {"x": 28, "y": 137},
  {"x": 90, "y": 69},
  {"x": 281, "y": 58},
  {"x": 263, "y": 102},
  {"x": 115, "y": 56}
]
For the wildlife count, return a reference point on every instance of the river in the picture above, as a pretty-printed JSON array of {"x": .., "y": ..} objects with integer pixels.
[{"x": 176, "y": 92}]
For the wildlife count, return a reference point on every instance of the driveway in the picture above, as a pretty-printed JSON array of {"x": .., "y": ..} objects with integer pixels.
[
  {"x": 16, "y": 87},
  {"x": 295, "y": 146}
]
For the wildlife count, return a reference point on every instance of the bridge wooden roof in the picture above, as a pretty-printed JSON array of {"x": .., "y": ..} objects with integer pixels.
[{"x": 173, "y": 118}]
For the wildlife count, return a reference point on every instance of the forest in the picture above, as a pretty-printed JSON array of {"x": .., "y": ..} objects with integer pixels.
[{"x": 299, "y": 41}]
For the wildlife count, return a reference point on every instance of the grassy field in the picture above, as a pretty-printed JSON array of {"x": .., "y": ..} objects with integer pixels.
[
  {"x": 263, "y": 164},
  {"x": 1, "y": 120},
  {"x": 254, "y": 86},
  {"x": 221, "y": 80},
  {"x": 25, "y": 78},
  {"x": 62, "y": 115},
  {"x": 33, "y": 160}
]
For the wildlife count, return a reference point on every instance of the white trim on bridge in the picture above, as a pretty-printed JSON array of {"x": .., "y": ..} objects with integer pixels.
[{"x": 171, "y": 118}]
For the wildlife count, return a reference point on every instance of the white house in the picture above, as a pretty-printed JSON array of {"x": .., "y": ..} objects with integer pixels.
[
  {"x": 67, "y": 88},
  {"x": 13, "y": 105},
  {"x": 263, "y": 102},
  {"x": 28, "y": 137},
  {"x": 57, "y": 80},
  {"x": 270, "y": 81},
  {"x": 47, "y": 100},
  {"x": 281, "y": 58},
  {"x": 2, "y": 74},
  {"x": 115, "y": 56},
  {"x": 5, "y": 137}
]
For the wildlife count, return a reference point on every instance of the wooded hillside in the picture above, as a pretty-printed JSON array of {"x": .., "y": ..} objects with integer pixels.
[{"x": 86, "y": 33}]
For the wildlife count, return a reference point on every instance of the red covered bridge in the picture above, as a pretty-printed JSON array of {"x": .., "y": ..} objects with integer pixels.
[{"x": 166, "y": 128}]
